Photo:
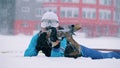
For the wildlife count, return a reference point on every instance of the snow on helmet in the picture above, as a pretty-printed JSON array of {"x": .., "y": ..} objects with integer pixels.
[{"x": 49, "y": 19}]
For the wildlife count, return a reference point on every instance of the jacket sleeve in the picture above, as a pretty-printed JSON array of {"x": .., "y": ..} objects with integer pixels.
[
  {"x": 31, "y": 50},
  {"x": 59, "y": 52}
]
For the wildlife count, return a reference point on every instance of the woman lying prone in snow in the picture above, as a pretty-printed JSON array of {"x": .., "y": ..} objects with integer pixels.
[{"x": 51, "y": 46}]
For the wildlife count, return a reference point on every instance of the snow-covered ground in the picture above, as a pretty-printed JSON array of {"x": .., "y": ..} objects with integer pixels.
[{"x": 12, "y": 49}]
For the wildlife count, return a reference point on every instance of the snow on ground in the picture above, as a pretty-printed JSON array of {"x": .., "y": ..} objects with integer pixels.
[{"x": 12, "y": 49}]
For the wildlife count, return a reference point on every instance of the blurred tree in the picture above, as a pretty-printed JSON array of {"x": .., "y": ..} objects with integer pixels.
[{"x": 7, "y": 14}]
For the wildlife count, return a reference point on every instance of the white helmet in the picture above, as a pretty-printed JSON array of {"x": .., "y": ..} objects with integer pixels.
[
  {"x": 49, "y": 19},
  {"x": 50, "y": 15}
]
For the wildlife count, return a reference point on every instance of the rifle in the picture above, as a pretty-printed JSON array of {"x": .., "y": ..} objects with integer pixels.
[
  {"x": 70, "y": 31},
  {"x": 62, "y": 31}
]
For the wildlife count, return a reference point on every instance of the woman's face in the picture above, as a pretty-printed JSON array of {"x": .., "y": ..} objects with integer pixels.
[{"x": 48, "y": 31}]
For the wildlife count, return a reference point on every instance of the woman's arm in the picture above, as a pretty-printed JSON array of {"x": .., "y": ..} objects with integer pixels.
[{"x": 31, "y": 50}]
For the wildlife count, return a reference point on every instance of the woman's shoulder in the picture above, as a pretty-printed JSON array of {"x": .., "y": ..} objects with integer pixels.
[{"x": 35, "y": 36}]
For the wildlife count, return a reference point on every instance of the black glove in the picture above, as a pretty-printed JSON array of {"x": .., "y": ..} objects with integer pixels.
[
  {"x": 42, "y": 44},
  {"x": 53, "y": 36}
]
